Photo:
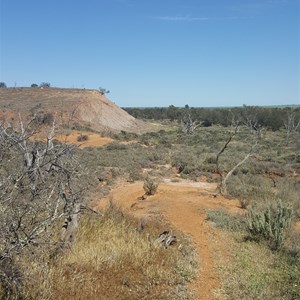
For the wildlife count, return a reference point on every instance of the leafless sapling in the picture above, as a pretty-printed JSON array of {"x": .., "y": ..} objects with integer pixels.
[{"x": 224, "y": 177}]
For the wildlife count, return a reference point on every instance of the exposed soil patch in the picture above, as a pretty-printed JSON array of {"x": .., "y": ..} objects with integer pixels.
[
  {"x": 82, "y": 139},
  {"x": 183, "y": 205},
  {"x": 297, "y": 226}
]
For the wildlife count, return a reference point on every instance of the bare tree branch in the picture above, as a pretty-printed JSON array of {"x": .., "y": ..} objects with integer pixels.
[
  {"x": 188, "y": 125},
  {"x": 224, "y": 179},
  {"x": 37, "y": 195}
]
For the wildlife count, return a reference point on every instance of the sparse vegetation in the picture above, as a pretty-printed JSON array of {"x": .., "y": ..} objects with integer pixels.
[
  {"x": 227, "y": 221},
  {"x": 108, "y": 245},
  {"x": 256, "y": 272},
  {"x": 43, "y": 119}
]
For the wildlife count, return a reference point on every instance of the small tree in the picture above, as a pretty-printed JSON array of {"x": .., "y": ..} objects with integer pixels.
[
  {"x": 103, "y": 91},
  {"x": 3, "y": 85},
  {"x": 45, "y": 85},
  {"x": 34, "y": 85}
]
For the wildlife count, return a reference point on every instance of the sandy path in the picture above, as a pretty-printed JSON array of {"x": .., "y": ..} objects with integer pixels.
[{"x": 184, "y": 205}]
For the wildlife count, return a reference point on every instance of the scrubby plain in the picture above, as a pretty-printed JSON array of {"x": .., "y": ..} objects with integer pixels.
[{"x": 114, "y": 257}]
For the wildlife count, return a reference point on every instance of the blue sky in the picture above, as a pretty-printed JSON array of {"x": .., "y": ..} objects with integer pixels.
[{"x": 157, "y": 52}]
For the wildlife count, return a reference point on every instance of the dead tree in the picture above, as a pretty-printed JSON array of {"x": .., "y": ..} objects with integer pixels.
[
  {"x": 188, "y": 125},
  {"x": 291, "y": 124},
  {"x": 249, "y": 116},
  {"x": 224, "y": 178},
  {"x": 38, "y": 194}
]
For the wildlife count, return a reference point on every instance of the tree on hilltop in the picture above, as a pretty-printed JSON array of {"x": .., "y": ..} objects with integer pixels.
[
  {"x": 45, "y": 85},
  {"x": 103, "y": 91}
]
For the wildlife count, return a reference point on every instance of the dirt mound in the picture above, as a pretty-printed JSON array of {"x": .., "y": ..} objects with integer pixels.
[{"x": 83, "y": 108}]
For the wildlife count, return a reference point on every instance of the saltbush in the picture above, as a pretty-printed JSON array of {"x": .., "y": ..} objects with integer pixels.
[{"x": 270, "y": 225}]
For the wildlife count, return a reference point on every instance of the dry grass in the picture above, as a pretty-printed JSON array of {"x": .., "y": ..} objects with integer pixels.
[
  {"x": 257, "y": 272},
  {"x": 111, "y": 259}
]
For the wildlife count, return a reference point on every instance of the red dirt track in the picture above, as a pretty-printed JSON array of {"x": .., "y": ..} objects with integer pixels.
[{"x": 184, "y": 206}]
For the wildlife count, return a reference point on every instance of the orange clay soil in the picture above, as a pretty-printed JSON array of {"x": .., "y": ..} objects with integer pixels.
[
  {"x": 183, "y": 204},
  {"x": 93, "y": 139},
  {"x": 297, "y": 226}
]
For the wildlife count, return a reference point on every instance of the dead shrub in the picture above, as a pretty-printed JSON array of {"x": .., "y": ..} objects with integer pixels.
[
  {"x": 150, "y": 185},
  {"x": 244, "y": 202},
  {"x": 82, "y": 138}
]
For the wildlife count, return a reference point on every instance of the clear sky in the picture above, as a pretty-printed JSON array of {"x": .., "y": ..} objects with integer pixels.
[{"x": 156, "y": 52}]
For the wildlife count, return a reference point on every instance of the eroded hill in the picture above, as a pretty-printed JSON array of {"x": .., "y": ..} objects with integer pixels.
[{"x": 85, "y": 108}]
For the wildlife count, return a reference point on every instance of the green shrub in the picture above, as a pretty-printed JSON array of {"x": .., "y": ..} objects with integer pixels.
[
  {"x": 225, "y": 220},
  {"x": 270, "y": 225},
  {"x": 134, "y": 175},
  {"x": 116, "y": 146}
]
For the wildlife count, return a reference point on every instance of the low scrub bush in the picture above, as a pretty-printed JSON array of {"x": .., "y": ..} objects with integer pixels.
[
  {"x": 254, "y": 188},
  {"x": 225, "y": 220},
  {"x": 82, "y": 138},
  {"x": 42, "y": 118},
  {"x": 125, "y": 136},
  {"x": 150, "y": 185},
  {"x": 244, "y": 202},
  {"x": 289, "y": 189},
  {"x": 134, "y": 175},
  {"x": 270, "y": 225},
  {"x": 116, "y": 146},
  {"x": 259, "y": 273}
]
